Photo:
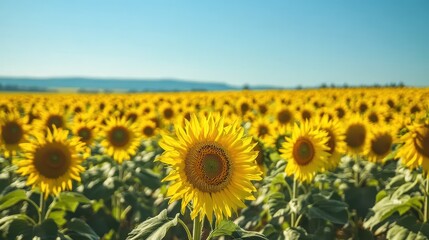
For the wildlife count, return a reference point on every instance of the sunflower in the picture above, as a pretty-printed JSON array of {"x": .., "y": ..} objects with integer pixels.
[
  {"x": 341, "y": 111},
  {"x": 336, "y": 138},
  {"x": 284, "y": 117},
  {"x": 121, "y": 138},
  {"x": 212, "y": 166},
  {"x": 380, "y": 143},
  {"x": 167, "y": 113},
  {"x": 262, "y": 128},
  {"x": 306, "y": 151},
  {"x": 356, "y": 135},
  {"x": 148, "y": 128},
  {"x": 50, "y": 117},
  {"x": 306, "y": 112},
  {"x": 85, "y": 128},
  {"x": 133, "y": 114},
  {"x": 13, "y": 131},
  {"x": 415, "y": 150},
  {"x": 51, "y": 161},
  {"x": 243, "y": 106},
  {"x": 375, "y": 115}
]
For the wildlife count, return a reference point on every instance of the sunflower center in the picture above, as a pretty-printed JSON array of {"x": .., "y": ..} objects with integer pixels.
[
  {"x": 132, "y": 117},
  {"x": 363, "y": 107},
  {"x": 148, "y": 131},
  {"x": 78, "y": 109},
  {"x": 381, "y": 144},
  {"x": 168, "y": 113},
  {"x": 262, "y": 130},
  {"x": 263, "y": 109},
  {"x": 306, "y": 114},
  {"x": 284, "y": 116},
  {"x": 355, "y": 135},
  {"x": 84, "y": 134},
  {"x": 415, "y": 109},
  {"x": 212, "y": 166},
  {"x": 55, "y": 120},
  {"x": 12, "y": 133},
  {"x": 340, "y": 112},
  {"x": 208, "y": 167},
  {"x": 52, "y": 160},
  {"x": 119, "y": 136},
  {"x": 373, "y": 118},
  {"x": 303, "y": 151},
  {"x": 421, "y": 142},
  {"x": 244, "y": 107}
]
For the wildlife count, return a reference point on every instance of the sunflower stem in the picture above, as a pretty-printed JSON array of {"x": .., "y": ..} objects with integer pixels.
[
  {"x": 198, "y": 228},
  {"x": 42, "y": 208},
  {"x": 293, "y": 214},
  {"x": 188, "y": 233},
  {"x": 426, "y": 206}
]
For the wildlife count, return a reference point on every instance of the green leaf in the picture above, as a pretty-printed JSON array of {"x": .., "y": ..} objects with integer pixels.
[
  {"x": 380, "y": 195},
  {"x": 12, "y": 198},
  {"x": 14, "y": 225},
  {"x": 321, "y": 207},
  {"x": 69, "y": 201},
  {"x": 229, "y": 228},
  {"x": 361, "y": 199},
  {"x": 387, "y": 207},
  {"x": 47, "y": 230},
  {"x": 277, "y": 204},
  {"x": 296, "y": 234},
  {"x": 154, "y": 228},
  {"x": 405, "y": 188},
  {"x": 58, "y": 217},
  {"x": 148, "y": 178},
  {"x": 78, "y": 229},
  {"x": 225, "y": 228},
  {"x": 330, "y": 210},
  {"x": 408, "y": 228}
]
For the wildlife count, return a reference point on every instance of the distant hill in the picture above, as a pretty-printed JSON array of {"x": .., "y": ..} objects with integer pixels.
[{"x": 95, "y": 84}]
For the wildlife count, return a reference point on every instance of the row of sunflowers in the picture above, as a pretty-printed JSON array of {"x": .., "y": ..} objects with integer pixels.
[{"x": 286, "y": 164}]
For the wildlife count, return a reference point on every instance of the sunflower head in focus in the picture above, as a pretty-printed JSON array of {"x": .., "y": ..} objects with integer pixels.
[
  {"x": 51, "y": 161},
  {"x": 415, "y": 149},
  {"x": 212, "y": 166},
  {"x": 380, "y": 143},
  {"x": 121, "y": 138},
  {"x": 13, "y": 131},
  {"x": 306, "y": 151}
]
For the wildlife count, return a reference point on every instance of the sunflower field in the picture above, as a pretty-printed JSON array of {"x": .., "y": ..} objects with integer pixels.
[{"x": 278, "y": 164}]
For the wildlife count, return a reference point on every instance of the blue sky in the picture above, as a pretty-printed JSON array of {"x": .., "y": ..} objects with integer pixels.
[{"x": 284, "y": 43}]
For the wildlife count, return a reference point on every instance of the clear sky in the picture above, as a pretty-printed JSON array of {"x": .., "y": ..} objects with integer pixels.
[{"x": 284, "y": 43}]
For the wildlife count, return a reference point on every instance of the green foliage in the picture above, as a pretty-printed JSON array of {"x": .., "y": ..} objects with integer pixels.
[
  {"x": 229, "y": 228},
  {"x": 78, "y": 229},
  {"x": 154, "y": 228},
  {"x": 409, "y": 228},
  {"x": 12, "y": 198}
]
